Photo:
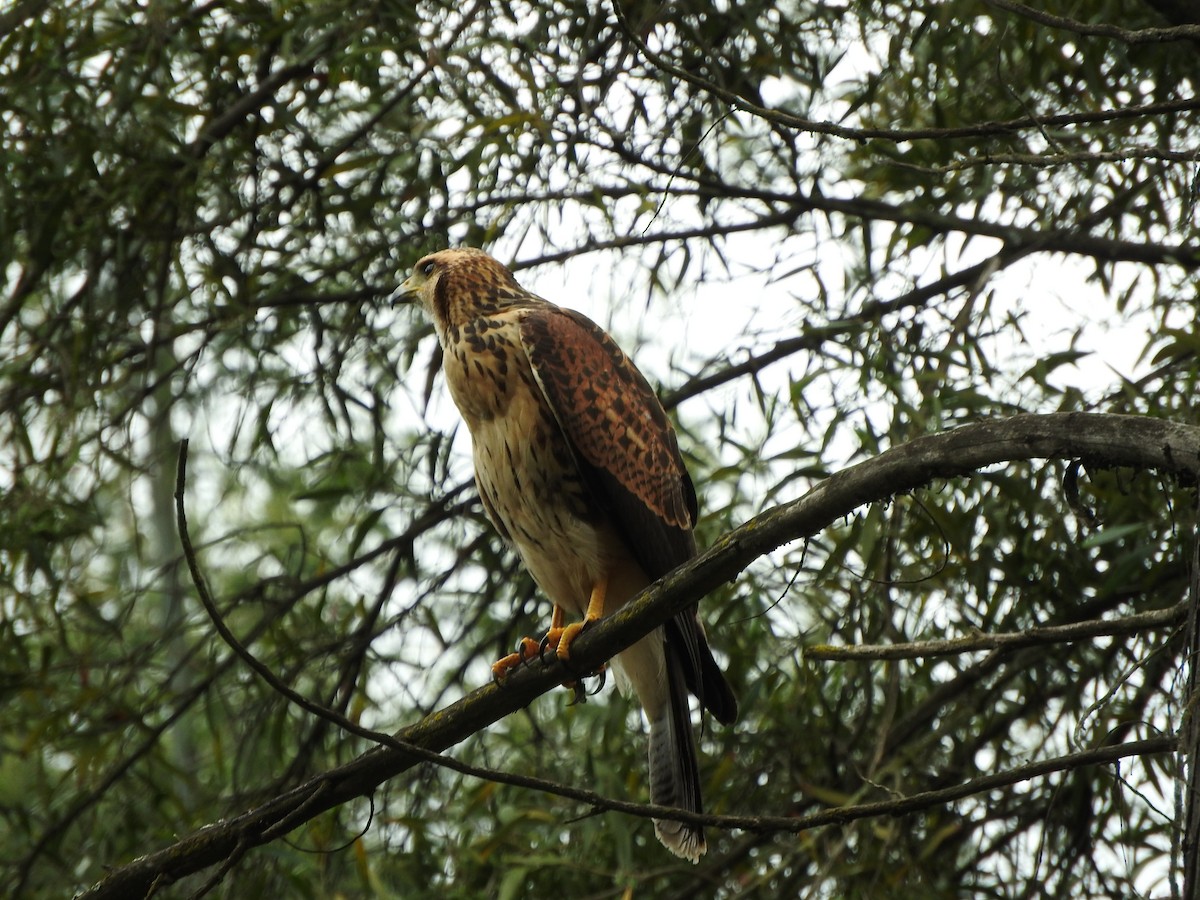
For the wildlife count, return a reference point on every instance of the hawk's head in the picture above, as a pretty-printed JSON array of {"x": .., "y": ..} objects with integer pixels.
[{"x": 456, "y": 286}]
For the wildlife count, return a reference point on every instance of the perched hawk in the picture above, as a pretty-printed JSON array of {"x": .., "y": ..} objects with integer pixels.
[{"x": 578, "y": 468}]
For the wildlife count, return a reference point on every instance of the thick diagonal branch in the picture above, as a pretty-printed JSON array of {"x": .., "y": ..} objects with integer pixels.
[{"x": 1098, "y": 440}]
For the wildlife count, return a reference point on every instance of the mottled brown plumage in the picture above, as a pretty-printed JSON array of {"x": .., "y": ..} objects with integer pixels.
[{"x": 578, "y": 467}]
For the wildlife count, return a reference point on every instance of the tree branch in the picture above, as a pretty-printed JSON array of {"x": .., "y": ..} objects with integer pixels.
[
  {"x": 900, "y": 806},
  {"x": 898, "y": 135},
  {"x": 1098, "y": 440},
  {"x": 1172, "y": 616},
  {"x": 785, "y": 217},
  {"x": 814, "y": 337},
  {"x": 1126, "y": 35},
  {"x": 1071, "y": 238}
]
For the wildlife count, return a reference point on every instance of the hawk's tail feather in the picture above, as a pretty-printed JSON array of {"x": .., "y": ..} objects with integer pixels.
[
  {"x": 674, "y": 767},
  {"x": 701, "y": 673}
]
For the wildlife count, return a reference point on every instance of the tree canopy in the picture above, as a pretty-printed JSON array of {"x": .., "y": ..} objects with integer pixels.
[{"x": 917, "y": 283}]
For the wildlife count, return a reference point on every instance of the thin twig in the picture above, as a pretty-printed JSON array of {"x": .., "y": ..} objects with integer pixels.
[
  {"x": 260, "y": 669},
  {"x": 898, "y": 135},
  {"x": 899, "y": 806},
  {"x": 1172, "y": 616},
  {"x": 1087, "y": 29},
  {"x": 389, "y": 741}
]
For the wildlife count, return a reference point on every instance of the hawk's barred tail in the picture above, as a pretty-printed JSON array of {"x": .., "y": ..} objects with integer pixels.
[{"x": 674, "y": 768}]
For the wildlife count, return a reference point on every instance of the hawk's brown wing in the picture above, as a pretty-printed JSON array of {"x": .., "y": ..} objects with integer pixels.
[
  {"x": 627, "y": 453},
  {"x": 619, "y": 433}
]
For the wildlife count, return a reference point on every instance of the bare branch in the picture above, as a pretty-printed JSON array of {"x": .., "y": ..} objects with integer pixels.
[
  {"x": 812, "y": 126},
  {"x": 926, "y": 799},
  {"x": 1126, "y": 35},
  {"x": 1073, "y": 239},
  {"x": 786, "y": 217},
  {"x": 1099, "y": 440},
  {"x": 1171, "y": 617}
]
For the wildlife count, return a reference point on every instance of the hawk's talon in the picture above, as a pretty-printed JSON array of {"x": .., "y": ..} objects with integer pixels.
[
  {"x": 559, "y": 639},
  {"x": 579, "y": 688},
  {"x": 580, "y": 695},
  {"x": 517, "y": 660},
  {"x": 502, "y": 666},
  {"x": 553, "y": 639},
  {"x": 525, "y": 650}
]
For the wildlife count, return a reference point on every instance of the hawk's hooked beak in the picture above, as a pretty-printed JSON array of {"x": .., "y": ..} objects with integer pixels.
[{"x": 406, "y": 293}]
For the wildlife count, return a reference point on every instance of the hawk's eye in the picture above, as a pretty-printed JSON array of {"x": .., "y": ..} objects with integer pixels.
[{"x": 428, "y": 268}]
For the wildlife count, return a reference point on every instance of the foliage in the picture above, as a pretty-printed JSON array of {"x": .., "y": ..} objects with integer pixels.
[{"x": 835, "y": 228}]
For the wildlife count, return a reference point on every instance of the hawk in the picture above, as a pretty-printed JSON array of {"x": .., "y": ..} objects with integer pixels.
[{"x": 578, "y": 468}]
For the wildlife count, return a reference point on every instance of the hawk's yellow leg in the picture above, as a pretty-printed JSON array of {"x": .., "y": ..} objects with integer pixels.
[
  {"x": 566, "y": 636},
  {"x": 595, "y": 610}
]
